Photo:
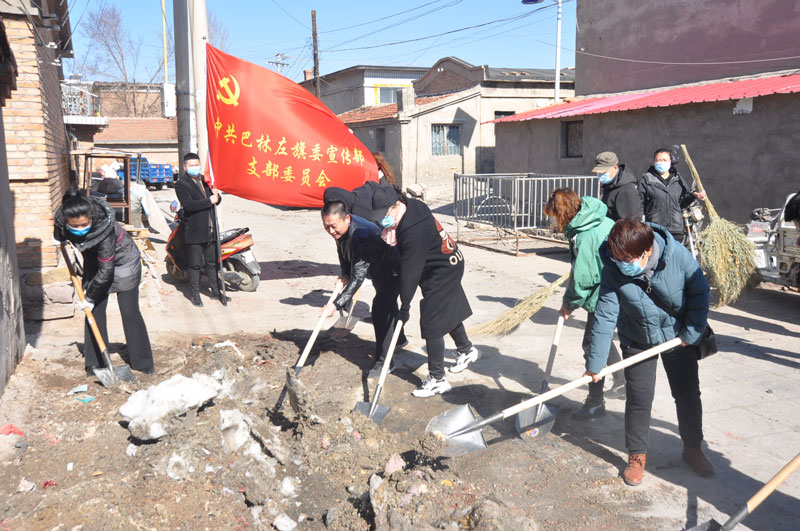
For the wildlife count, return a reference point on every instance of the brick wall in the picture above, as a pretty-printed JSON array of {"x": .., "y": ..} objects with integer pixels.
[
  {"x": 36, "y": 144},
  {"x": 147, "y": 102}
]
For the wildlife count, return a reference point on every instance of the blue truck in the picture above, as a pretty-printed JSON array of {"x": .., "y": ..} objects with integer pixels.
[{"x": 155, "y": 175}]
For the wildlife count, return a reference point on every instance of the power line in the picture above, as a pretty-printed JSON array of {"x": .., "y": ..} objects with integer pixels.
[
  {"x": 516, "y": 17},
  {"x": 410, "y": 19},
  {"x": 382, "y": 18},
  {"x": 290, "y": 15}
]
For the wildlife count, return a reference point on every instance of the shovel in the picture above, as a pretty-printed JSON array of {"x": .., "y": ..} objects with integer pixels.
[
  {"x": 108, "y": 375},
  {"x": 755, "y": 501},
  {"x": 372, "y": 410},
  {"x": 299, "y": 366},
  {"x": 529, "y": 424},
  {"x": 346, "y": 322},
  {"x": 462, "y": 431}
]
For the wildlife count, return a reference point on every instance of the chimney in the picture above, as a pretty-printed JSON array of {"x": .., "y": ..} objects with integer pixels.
[
  {"x": 308, "y": 74},
  {"x": 406, "y": 98}
]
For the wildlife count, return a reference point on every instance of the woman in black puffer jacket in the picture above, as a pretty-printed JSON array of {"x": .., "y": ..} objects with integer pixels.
[{"x": 111, "y": 265}]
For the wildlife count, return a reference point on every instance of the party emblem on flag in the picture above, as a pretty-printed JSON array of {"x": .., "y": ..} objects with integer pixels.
[{"x": 270, "y": 140}]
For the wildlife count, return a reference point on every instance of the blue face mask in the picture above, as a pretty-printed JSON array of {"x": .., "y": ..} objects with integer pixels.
[
  {"x": 193, "y": 171},
  {"x": 630, "y": 269},
  {"x": 605, "y": 178},
  {"x": 662, "y": 167},
  {"x": 80, "y": 232},
  {"x": 387, "y": 222}
]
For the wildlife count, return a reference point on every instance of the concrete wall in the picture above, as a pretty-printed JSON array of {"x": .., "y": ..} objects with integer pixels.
[
  {"x": 341, "y": 94},
  {"x": 471, "y": 111},
  {"x": 374, "y": 80},
  {"x": 36, "y": 143},
  {"x": 393, "y": 151},
  {"x": 744, "y": 160},
  {"x": 701, "y": 31}
]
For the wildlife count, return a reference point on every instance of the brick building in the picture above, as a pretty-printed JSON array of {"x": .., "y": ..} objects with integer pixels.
[
  {"x": 35, "y": 136},
  {"x": 12, "y": 335}
]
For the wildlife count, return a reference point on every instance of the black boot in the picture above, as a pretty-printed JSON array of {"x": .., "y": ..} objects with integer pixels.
[{"x": 196, "y": 299}]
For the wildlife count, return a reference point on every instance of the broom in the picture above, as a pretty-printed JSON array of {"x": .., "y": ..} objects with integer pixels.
[
  {"x": 521, "y": 312},
  {"x": 725, "y": 251}
]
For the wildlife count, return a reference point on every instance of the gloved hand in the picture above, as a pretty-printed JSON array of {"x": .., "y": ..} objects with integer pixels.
[
  {"x": 84, "y": 304},
  {"x": 403, "y": 314}
]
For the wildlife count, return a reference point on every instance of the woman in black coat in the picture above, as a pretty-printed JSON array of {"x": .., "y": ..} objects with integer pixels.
[
  {"x": 111, "y": 264},
  {"x": 431, "y": 260}
]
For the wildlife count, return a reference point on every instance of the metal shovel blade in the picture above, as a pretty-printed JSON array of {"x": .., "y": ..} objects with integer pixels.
[
  {"x": 342, "y": 326},
  {"x": 531, "y": 425},
  {"x": 377, "y": 416},
  {"x": 452, "y": 421},
  {"x": 111, "y": 377}
]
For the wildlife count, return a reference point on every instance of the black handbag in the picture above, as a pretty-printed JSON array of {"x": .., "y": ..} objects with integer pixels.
[{"x": 708, "y": 343}]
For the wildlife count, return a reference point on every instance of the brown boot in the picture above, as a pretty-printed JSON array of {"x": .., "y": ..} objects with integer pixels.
[
  {"x": 698, "y": 461},
  {"x": 632, "y": 475}
]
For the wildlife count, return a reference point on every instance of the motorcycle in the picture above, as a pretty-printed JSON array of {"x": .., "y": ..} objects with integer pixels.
[{"x": 240, "y": 267}]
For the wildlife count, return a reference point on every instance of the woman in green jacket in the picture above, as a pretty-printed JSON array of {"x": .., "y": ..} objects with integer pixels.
[{"x": 584, "y": 222}]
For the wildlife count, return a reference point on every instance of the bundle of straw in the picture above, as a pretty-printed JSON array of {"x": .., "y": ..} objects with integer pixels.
[
  {"x": 725, "y": 252},
  {"x": 521, "y": 312}
]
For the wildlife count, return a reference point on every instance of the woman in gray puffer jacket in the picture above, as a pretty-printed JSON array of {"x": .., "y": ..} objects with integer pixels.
[{"x": 111, "y": 265}]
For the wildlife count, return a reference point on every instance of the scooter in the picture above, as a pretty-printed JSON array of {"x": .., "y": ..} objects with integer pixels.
[{"x": 240, "y": 267}]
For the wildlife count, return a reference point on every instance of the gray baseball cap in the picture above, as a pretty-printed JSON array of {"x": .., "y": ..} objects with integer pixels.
[{"x": 604, "y": 161}]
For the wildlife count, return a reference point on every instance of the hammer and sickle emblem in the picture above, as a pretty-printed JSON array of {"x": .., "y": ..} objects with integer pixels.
[{"x": 231, "y": 97}]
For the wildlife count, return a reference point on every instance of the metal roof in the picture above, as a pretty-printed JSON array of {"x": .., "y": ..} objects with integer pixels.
[
  {"x": 529, "y": 74},
  {"x": 716, "y": 91}
]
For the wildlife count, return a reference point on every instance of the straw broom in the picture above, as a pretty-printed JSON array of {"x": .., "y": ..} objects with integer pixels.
[
  {"x": 725, "y": 251},
  {"x": 512, "y": 318}
]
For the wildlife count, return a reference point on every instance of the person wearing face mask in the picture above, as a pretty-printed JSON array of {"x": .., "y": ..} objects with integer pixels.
[
  {"x": 111, "y": 264},
  {"x": 645, "y": 274},
  {"x": 362, "y": 254},
  {"x": 430, "y": 259},
  {"x": 617, "y": 187},
  {"x": 584, "y": 222},
  {"x": 197, "y": 200},
  {"x": 664, "y": 194}
]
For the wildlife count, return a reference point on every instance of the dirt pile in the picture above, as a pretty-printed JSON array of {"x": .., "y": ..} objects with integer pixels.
[{"x": 209, "y": 451}]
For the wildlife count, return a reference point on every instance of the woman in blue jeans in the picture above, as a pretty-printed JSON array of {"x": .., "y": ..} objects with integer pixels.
[{"x": 652, "y": 290}]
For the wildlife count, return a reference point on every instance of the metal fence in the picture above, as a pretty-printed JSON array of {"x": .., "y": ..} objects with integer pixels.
[
  {"x": 512, "y": 202},
  {"x": 77, "y": 100}
]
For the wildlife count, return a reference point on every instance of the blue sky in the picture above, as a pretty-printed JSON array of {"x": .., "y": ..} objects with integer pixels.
[{"x": 258, "y": 29}]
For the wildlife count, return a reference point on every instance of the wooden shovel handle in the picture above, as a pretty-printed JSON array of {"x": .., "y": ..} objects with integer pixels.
[
  {"x": 558, "y": 391},
  {"x": 554, "y": 347},
  {"x": 79, "y": 290},
  {"x": 398, "y": 327},
  {"x": 773, "y": 484},
  {"x": 314, "y": 334}
]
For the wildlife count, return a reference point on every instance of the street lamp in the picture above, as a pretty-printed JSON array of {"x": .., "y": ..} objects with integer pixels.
[{"x": 556, "y": 97}]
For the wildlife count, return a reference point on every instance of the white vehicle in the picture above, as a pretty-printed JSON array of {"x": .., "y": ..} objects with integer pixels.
[{"x": 777, "y": 249}]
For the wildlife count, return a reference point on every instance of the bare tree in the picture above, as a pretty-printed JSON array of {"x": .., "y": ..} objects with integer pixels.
[
  {"x": 217, "y": 33},
  {"x": 114, "y": 55}
]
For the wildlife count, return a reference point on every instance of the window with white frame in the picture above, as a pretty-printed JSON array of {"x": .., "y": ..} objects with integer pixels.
[
  {"x": 445, "y": 139},
  {"x": 387, "y": 94}
]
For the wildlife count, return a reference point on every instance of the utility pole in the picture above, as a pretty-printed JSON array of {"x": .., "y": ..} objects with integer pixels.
[
  {"x": 558, "y": 55},
  {"x": 198, "y": 23},
  {"x": 164, "y": 32},
  {"x": 316, "y": 51},
  {"x": 278, "y": 62},
  {"x": 183, "y": 75}
]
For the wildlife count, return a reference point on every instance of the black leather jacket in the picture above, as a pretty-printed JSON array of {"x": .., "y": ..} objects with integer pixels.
[{"x": 363, "y": 254}]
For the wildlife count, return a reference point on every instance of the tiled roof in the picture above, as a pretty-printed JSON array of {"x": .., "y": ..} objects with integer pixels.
[
  {"x": 138, "y": 130},
  {"x": 529, "y": 74},
  {"x": 382, "y": 112},
  {"x": 715, "y": 91}
]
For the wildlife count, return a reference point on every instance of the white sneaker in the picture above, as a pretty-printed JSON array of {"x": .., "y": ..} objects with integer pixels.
[
  {"x": 432, "y": 386},
  {"x": 464, "y": 360}
]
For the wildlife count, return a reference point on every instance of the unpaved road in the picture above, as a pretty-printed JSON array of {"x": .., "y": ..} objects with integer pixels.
[{"x": 566, "y": 480}]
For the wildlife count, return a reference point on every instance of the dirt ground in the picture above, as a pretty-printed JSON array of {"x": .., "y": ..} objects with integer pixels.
[{"x": 86, "y": 469}]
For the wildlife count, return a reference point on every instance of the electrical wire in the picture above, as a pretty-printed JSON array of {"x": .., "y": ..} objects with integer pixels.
[
  {"x": 290, "y": 15},
  {"x": 516, "y": 17},
  {"x": 77, "y": 24},
  {"x": 382, "y": 18},
  {"x": 396, "y": 24}
]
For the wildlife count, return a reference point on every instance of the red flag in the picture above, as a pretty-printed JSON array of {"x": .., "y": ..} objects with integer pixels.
[{"x": 270, "y": 140}]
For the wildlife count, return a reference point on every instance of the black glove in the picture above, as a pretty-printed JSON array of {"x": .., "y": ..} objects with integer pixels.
[{"x": 403, "y": 314}]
